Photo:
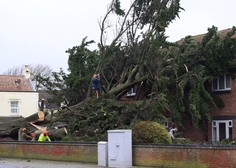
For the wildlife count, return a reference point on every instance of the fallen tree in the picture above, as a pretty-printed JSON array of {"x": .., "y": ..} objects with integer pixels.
[
  {"x": 35, "y": 123},
  {"x": 11, "y": 128},
  {"x": 90, "y": 118}
]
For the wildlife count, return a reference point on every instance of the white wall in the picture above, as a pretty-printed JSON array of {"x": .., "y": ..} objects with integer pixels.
[{"x": 28, "y": 103}]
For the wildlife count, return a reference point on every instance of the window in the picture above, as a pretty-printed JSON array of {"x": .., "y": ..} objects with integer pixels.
[
  {"x": 222, "y": 83},
  {"x": 132, "y": 91},
  {"x": 14, "y": 107}
]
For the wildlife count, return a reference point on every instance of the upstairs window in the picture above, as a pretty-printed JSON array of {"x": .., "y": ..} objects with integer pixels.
[
  {"x": 14, "y": 107},
  {"x": 222, "y": 83},
  {"x": 132, "y": 91}
]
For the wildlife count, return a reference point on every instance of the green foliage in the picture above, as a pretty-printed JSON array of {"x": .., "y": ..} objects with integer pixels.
[
  {"x": 82, "y": 63},
  {"x": 117, "y": 8},
  {"x": 150, "y": 132},
  {"x": 217, "y": 52},
  {"x": 195, "y": 61},
  {"x": 182, "y": 141},
  {"x": 156, "y": 13},
  {"x": 92, "y": 118},
  {"x": 228, "y": 142},
  {"x": 131, "y": 59},
  {"x": 218, "y": 101}
]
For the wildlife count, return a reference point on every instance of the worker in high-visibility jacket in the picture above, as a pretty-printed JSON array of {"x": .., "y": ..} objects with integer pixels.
[{"x": 44, "y": 137}]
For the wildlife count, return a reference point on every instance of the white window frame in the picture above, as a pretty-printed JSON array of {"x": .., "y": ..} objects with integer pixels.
[
  {"x": 132, "y": 91},
  {"x": 14, "y": 108},
  {"x": 226, "y": 83},
  {"x": 216, "y": 129}
]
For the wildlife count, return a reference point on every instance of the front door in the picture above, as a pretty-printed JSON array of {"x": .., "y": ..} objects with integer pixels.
[{"x": 221, "y": 130}]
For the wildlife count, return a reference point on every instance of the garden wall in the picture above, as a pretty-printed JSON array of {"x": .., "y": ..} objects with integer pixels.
[{"x": 176, "y": 156}]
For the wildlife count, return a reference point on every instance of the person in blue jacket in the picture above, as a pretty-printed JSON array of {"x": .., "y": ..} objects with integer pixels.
[{"x": 96, "y": 84}]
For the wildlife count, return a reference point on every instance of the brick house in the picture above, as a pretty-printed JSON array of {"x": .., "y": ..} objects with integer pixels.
[{"x": 223, "y": 124}]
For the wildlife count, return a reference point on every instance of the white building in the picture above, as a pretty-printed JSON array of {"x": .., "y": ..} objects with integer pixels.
[{"x": 17, "y": 96}]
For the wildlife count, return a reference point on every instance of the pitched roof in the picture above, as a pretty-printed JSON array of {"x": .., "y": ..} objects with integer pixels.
[
  {"x": 14, "y": 83},
  {"x": 199, "y": 37}
]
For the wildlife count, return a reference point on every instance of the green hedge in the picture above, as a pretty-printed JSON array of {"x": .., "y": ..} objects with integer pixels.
[{"x": 150, "y": 132}]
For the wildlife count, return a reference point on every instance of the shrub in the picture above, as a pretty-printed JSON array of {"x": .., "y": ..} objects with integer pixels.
[
  {"x": 150, "y": 132},
  {"x": 228, "y": 142},
  {"x": 182, "y": 141}
]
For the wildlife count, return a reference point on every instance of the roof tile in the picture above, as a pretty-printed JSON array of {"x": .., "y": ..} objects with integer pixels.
[{"x": 16, "y": 83}]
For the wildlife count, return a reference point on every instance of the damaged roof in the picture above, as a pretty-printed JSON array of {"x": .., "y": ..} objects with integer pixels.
[{"x": 14, "y": 83}]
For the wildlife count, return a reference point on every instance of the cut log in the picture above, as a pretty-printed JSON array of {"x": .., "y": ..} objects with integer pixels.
[
  {"x": 35, "y": 117},
  {"x": 32, "y": 123},
  {"x": 54, "y": 134},
  {"x": 11, "y": 128},
  {"x": 40, "y": 128}
]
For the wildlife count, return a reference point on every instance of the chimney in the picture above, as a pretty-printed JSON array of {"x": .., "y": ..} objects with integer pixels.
[{"x": 26, "y": 71}]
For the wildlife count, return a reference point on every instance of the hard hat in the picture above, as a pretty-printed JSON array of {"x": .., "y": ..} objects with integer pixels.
[{"x": 45, "y": 133}]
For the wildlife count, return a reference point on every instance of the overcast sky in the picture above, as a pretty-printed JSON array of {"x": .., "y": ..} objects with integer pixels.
[{"x": 40, "y": 31}]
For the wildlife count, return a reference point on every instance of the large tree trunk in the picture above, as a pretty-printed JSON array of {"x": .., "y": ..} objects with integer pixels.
[
  {"x": 9, "y": 127},
  {"x": 123, "y": 88}
]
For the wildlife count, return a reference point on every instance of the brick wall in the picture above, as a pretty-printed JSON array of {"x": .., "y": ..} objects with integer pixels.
[
  {"x": 185, "y": 156},
  {"x": 176, "y": 156},
  {"x": 50, "y": 151}
]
